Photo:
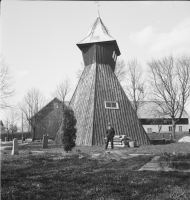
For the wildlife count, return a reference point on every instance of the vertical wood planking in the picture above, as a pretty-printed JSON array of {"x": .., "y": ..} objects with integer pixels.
[
  {"x": 97, "y": 85},
  {"x": 82, "y": 103}
]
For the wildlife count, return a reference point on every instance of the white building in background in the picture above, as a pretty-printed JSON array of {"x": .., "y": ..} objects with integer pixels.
[{"x": 152, "y": 122}]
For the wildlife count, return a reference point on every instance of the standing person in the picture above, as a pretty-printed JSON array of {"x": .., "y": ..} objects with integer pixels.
[{"x": 109, "y": 134}]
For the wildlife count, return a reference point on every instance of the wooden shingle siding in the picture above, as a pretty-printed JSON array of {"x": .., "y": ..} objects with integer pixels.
[
  {"x": 124, "y": 119},
  {"x": 99, "y": 53},
  {"x": 83, "y": 105},
  {"x": 97, "y": 85}
]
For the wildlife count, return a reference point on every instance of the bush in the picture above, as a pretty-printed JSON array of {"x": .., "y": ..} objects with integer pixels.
[
  {"x": 181, "y": 165},
  {"x": 68, "y": 129},
  {"x": 176, "y": 161}
]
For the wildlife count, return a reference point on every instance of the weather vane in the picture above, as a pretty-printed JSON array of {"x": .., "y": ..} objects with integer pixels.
[{"x": 98, "y": 7}]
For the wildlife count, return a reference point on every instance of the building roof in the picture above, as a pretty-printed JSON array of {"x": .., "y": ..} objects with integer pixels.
[
  {"x": 1, "y": 123},
  {"x": 2, "y": 127},
  {"x": 46, "y": 109},
  {"x": 99, "y": 33},
  {"x": 148, "y": 111}
]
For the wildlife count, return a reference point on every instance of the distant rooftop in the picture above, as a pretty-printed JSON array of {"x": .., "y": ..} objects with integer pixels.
[{"x": 148, "y": 111}]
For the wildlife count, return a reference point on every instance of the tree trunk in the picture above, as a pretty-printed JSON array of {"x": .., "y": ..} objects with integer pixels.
[
  {"x": 13, "y": 135},
  {"x": 7, "y": 135},
  {"x": 173, "y": 128},
  {"x": 34, "y": 133}
]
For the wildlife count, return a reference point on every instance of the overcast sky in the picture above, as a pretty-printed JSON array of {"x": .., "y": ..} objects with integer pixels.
[{"x": 39, "y": 37}]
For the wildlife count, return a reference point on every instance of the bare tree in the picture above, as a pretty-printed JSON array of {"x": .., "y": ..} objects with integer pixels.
[
  {"x": 135, "y": 88},
  {"x": 31, "y": 105},
  {"x": 6, "y": 90},
  {"x": 120, "y": 70},
  {"x": 26, "y": 124},
  {"x": 170, "y": 82},
  {"x": 61, "y": 92},
  {"x": 80, "y": 70},
  {"x": 11, "y": 122}
]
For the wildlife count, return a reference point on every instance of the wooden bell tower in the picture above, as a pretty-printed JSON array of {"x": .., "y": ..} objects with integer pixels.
[{"x": 99, "y": 97}]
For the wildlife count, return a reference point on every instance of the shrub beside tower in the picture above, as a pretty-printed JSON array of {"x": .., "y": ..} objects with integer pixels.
[{"x": 68, "y": 135}]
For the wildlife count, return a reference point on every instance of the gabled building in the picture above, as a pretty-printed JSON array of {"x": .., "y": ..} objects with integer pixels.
[
  {"x": 99, "y": 97},
  {"x": 49, "y": 119},
  {"x": 2, "y": 127},
  {"x": 153, "y": 122}
]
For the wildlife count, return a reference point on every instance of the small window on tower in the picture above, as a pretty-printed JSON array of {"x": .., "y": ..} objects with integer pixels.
[
  {"x": 113, "y": 56},
  {"x": 111, "y": 105},
  {"x": 114, "y": 105},
  {"x": 108, "y": 104}
]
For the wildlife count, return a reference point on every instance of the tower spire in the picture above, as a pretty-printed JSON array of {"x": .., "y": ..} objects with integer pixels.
[
  {"x": 98, "y": 9},
  {"x": 98, "y": 15}
]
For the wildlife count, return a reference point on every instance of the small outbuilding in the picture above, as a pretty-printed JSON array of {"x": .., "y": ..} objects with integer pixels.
[{"x": 49, "y": 119}]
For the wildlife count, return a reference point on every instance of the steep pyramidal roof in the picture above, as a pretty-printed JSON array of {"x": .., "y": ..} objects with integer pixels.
[{"x": 98, "y": 33}]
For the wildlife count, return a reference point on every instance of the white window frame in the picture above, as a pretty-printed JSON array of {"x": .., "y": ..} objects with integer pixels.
[
  {"x": 115, "y": 58},
  {"x": 170, "y": 128},
  {"x": 180, "y": 128},
  {"x": 117, "y": 105},
  {"x": 113, "y": 55}
]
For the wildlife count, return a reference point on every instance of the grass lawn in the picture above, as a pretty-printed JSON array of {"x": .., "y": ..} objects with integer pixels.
[
  {"x": 48, "y": 176},
  {"x": 150, "y": 149}
]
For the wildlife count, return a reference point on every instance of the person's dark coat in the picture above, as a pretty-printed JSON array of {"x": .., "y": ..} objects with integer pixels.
[{"x": 110, "y": 133}]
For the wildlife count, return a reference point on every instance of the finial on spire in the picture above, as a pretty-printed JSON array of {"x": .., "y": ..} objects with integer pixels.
[{"x": 98, "y": 8}]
